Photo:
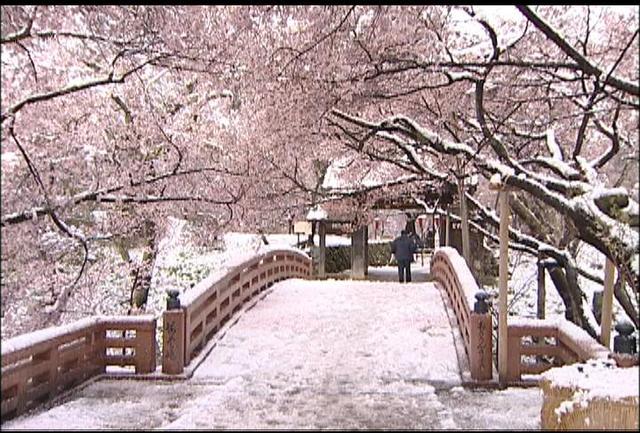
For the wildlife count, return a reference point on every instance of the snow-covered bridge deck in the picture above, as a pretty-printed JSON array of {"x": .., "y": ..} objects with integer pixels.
[{"x": 312, "y": 354}]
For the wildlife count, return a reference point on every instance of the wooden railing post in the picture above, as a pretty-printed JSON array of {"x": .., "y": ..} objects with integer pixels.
[
  {"x": 173, "y": 341},
  {"x": 146, "y": 349},
  {"x": 480, "y": 353},
  {"x": 513, "y": 362},
  {"x": 99, "y": 337}
]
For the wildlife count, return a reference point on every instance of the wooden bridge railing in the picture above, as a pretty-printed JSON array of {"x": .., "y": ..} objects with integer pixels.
[
  {"x": 559, "y": 341},
  {"x": 42, "y": 364},
  {"x": 210, "y": 304},
  {"x": 451, "y": 271}
]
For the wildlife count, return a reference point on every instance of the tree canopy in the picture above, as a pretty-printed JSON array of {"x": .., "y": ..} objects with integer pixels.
[{"x": 115, "y": 117}]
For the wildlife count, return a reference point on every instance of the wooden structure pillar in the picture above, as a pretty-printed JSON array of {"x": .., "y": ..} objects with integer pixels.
[
  {"x": 464, "y": 227},
  {"x": 359, "y": 253},
  {"x": 447, "y": 229},
  {"x": 607, "y": 304},
  {"x": 503, "y": 286},
  {"x": 542, "y": 292},
  {"x": 322, "y": 234}
]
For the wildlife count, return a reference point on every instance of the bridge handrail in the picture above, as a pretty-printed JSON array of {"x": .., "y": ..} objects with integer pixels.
[
  {"x": 570, "y": 344},
  {"x": 451, "y": 271},
  {"x": 42, "y": 364},
  {"x": 211, "y": 303}
]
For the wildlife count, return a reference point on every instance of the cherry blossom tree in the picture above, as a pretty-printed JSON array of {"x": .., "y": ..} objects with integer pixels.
[
  {"x": 116, "y": 117},
  {"x": 456, "y": 93},
  {"x": 552, "y": 121}
]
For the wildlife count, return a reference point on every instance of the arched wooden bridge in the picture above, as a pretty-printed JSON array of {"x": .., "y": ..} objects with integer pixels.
[{"x": 373, "y": 355}]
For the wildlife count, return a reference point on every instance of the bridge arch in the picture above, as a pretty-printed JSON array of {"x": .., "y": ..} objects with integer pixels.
[
  {"x": 210, "y": 304},
  {"x": 451, "y": 272}
]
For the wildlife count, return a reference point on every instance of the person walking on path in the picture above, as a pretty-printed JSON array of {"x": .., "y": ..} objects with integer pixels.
[{"x": 403, "y": 248}]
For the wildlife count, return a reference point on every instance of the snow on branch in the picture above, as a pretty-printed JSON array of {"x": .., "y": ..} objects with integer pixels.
[
  {"x": 73, "y": 88},
  {"x": 552, "y": 145}
]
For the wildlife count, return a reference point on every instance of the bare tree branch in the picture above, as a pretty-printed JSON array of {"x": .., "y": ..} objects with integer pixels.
[{"x": 584, "y": 63}]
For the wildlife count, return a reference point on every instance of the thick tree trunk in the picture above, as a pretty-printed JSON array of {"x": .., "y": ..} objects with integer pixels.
[
  {"x": 564, "y": 277},
  {"x": 621, "y": 294},
  {"x": 566, "y": 285},
  {"x": 142, "y": 272}
]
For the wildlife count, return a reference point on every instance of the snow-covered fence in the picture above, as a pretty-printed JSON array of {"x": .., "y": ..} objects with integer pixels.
[
  {"x": 40, "y": 365},
  {"x": 559, "y": 339},
  {"x": 450, "y": 270},
  {"x": 210, "y": 304}
]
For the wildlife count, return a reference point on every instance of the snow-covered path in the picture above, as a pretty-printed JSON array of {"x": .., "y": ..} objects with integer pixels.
[{"x": 313, "y": 354}]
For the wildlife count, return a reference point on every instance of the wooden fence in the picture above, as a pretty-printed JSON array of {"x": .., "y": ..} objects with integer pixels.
[
  {"x": 40, "y": 365},
  {"x": 536, "y": 345},
  {"x": 450, "y": 270},
  {"x": 211, "y": 303}
]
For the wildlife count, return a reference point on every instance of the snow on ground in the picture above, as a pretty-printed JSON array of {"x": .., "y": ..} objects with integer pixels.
[
  {"x": 313, "y": 354},
  {"x": 310, "y": 367}
]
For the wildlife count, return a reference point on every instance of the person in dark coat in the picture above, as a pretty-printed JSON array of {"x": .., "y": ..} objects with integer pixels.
[{"x": 403, "y": 248}]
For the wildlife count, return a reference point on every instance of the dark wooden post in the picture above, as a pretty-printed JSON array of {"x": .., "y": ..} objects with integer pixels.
[
  {"x": 541, "y": 288},
  {"x": 447, "y": 238},
  {"x": 359, "y": 253},
  {"x": 464, "y": 218},
  {"x": 322, "y": 234}
]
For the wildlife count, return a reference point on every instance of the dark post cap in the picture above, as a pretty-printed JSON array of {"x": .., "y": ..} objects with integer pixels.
[
  {"x": 173, "y": 302},
  {"x": 624, "y": 327}
]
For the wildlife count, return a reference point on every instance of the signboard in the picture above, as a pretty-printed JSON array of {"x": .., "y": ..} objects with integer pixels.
[{"x": 302, "y": 227}]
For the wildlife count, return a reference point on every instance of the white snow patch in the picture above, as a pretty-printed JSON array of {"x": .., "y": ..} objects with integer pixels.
[
  {"x": 593, "y": 379},
  {"x": 317, "y": 213}
]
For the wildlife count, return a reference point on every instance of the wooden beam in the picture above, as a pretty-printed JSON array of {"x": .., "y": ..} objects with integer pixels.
[
  {"x": 464, "y": 217},
  {"x": 447, "y": 229}
]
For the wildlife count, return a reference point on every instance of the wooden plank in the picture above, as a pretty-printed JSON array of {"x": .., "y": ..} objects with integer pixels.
[
  {"x": 121, "y": 360},
  {"x": 539, "y": 330},
  {"x": 114, "y": 342},
  {"x": 77, "y": 352},
  {"x": 539, "y": 349}
]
